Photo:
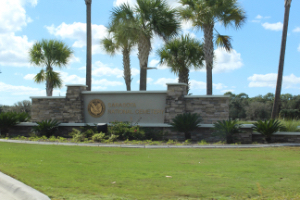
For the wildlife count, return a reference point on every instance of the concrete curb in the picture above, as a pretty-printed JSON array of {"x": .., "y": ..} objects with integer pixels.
[
  {"x": 19, "y": 190},
  {"x": 209, "y": 146}
]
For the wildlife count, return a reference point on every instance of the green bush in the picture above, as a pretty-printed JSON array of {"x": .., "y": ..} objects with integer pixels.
[
  {"x": 186, "y": 123},
  {"x": 98, "y": 137},
  {"x": 227, "y": 129},
  {"x": 77, "y": 135},
  {"x": 46, "y": 127},
  {"x": 113, "y": 138},
  {"x": 290, "y": 125},
  {"x": 125, "y": 131},
  {"x": 268, "y": 128},
  {"x": 8, "y": 120},
  {"x": 89, "y": 133}
]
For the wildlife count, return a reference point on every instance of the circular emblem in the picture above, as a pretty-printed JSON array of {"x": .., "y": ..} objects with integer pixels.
[{"x": 96, "y": 108}]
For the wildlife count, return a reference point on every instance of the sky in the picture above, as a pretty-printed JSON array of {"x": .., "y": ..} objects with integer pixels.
[{"x": 251, "y": 66}]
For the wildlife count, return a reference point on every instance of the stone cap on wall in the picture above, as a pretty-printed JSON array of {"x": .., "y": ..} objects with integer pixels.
[
  {"x": 47, "y": 97},
  {"x": 123, "y": 92},
  {"x": 206, "y": 96}
]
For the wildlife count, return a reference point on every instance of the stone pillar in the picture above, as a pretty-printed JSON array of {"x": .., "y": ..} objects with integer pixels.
[
  {"x": 73, "y": 110},
  {"x": 175, "y": 102}
]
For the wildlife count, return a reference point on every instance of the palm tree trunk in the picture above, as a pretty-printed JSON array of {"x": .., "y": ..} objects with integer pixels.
[
  {"x": 88, "y": 45},
  {"x": 127, "y": 71},
  {"x": 208, "y": 48},
  {"x": 144, "y": 48},
  {"x": 49, "y": 85},
  {"x": 275, "y": 109},
  {"x": 184, "y": 76}
]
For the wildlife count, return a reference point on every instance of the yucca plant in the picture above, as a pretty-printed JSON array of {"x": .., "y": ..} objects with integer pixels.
[
  {"x": 46, "y": 127},
  {"x": 186, "y": 122},
  {"x": 7, "y": 120},
  {"x": 227, "y": 129},
  {"x": 268, "y": 128}
]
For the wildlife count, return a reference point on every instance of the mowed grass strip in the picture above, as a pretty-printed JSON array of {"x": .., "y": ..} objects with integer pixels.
[{"x": 70, "y": 172}]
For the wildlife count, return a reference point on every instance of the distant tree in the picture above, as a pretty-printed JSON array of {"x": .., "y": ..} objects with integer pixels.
[
  {"x": 237, "y": 105},
  {"x": 22, "y": 106},
  {"x": 49, "y": 53},
  {"x": 205, "y": 14},
  {"x": 258, "y": 110},
  {"x": 181, "y": 54}
]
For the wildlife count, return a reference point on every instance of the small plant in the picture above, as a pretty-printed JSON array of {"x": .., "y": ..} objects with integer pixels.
[
  {"x": 52, "y": 138},
  {"x": 290, "y": 125},
  {"x": 89, "y": 133},
  {"x": 46, "y": 127},
  {"x": 268, "y": 128},
  {"x": 171, "y": 142},
  {"x": 187, "y": 142},
  {"x": 125, "y": 131},
  {"x": 113, "y": 138},
  {"x": 226, "y": 129},
  {"x": 98, "y": 137},
  {"x": 202, "y": 142},
  {"x": 77, "y": 135},
  {"x": 186, "y": 123},
  {"x": 8, "y": 120}
]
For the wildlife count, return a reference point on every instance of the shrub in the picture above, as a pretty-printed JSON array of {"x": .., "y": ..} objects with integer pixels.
[
  {"x": 98, "y": 137},
  {"x": 7, "y": 120},
  {"x": 268, "y": 128},
  {"x": 113, "y": 138},
  {"x": 186, "y": 123},
  {"x": 290, "y": 125},
  {"x": 125, "y": 131},
  {"x": 89, "y": 133},
  {"x": 226, "y": 129},
  {"x": 46, "y": 127}
]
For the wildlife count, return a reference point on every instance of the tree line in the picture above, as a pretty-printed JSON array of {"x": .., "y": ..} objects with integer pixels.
[{"x": 243, "y": 107}]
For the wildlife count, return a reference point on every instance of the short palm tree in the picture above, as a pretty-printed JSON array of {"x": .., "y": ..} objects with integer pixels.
[
  {"x": 118, "y": 41},
  {"x": 148, "y": 18},
  {"x": 181, "y": 54},
  {"x": 205, "y": 14},
  {"x": 49, "y": 53}
]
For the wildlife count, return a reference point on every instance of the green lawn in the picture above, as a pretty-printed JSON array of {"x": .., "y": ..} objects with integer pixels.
[{"x": 70, "y": 172}]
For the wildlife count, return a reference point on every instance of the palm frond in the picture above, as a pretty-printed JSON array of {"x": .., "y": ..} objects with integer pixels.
[
  {"x": 54, "y": 78},
  {"x": 223, "y": 41},
  {"x": 40, "y": 77}
]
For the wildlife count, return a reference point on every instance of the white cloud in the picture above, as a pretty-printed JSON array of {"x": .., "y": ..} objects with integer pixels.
[
  {"x": 164, "y": 81},
  {"x": 101, "y": 69},
  {"x": 21, "y": 90},
  {"x": 29, "y": 77},
  {"x": 299, "y": 48},
  {"x": 105, "y": 82},
  {"x": 172, "y": 3},
  {"x": 99, "y": 88},
  {"x": 14, "y": 50},
  {"x": 186, "y": 25},
  {"x": 226, "y": 61},
  {"x": 74, "y": 59},
  {"x": 149, "y": 81},
  {"x": 297, "y": 30},
  {"x": 224, "y": 91},
  {"x": 200, "y": 85},
  {"x": 258, "y": 17},
  {"x": 153, "y": 63},
  {"x": 77, "y": 32},
  {"x": 269, "y": 80},
  {"x": 273, "y": 27}
]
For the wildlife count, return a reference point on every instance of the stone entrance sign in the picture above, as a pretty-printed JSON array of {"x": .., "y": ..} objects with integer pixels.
[
  {"x": 142, "y": 107},
  {"x": 145, "y": 107}
]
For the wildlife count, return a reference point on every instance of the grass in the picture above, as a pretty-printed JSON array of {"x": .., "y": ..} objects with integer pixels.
[
  {"x": 70, "y": 172},
  {"x": 291, "y": 125}
]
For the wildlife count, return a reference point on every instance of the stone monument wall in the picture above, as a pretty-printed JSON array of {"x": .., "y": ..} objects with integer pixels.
[{"x": 68, "y": 109}]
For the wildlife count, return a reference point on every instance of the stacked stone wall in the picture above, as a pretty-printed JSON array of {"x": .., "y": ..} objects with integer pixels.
[{"x": 67, "y": 109}]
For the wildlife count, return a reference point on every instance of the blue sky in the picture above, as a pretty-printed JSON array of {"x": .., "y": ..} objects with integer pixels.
[{"x": 251, "y": 66}]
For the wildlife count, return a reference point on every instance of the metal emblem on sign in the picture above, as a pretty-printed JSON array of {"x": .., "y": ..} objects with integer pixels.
[{"x": 96, "y": 108}]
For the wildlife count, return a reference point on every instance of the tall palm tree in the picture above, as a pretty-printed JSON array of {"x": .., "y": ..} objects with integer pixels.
[
  {"x": 49, "y": 53},
  {"x": 118, "y": 42},
  {"x": 88, "y": 45},
  {"x": 205, "y": 14},
  {"x": 181, "y": 54},
  {"x": 149, "y": 17},
  {"x": 275, "y": 109}
]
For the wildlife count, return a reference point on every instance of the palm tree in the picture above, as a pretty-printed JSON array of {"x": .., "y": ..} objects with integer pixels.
[
  {"x": 119, "y": 40},
  {"x": 181, "y": 54},
  {"x": 88, "y": 45},
  {"x": 205, "y": 14},
  {"x": 49, "y": 53},
  {"x": 148, "y": 18},
  {"x": 275, "y": 109}
]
